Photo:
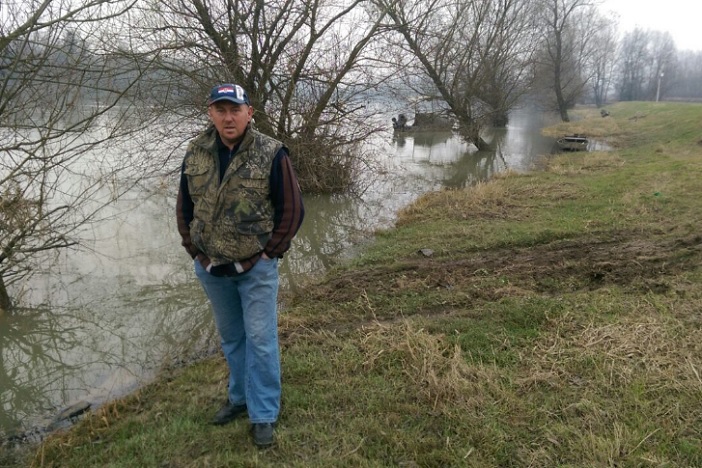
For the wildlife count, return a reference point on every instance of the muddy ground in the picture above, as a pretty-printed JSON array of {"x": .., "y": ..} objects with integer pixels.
[{"x": 643, "y": 264}]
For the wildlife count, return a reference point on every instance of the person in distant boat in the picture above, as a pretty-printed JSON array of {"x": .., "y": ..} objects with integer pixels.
[
  {"x": 238, "y": 208},
  {"x": 399, "y": 123}
]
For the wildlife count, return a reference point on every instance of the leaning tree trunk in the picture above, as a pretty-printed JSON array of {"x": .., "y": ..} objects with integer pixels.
[{"x": 471, "y": 132}]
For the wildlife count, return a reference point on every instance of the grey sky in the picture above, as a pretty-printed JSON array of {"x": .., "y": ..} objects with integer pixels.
[{"x": 681, "y": 18}]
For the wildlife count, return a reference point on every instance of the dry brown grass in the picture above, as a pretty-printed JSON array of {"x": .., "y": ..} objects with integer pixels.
[
  {"x": 641, "y": 345},
  {"x": 439, "y": 371},
  {"x": 485, "y": 200},
  {"x": 588, "y": 121},
  {"x": 584, "y": 163}
]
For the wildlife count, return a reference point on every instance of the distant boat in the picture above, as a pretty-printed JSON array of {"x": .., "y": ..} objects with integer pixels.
[
  {"x": 572, "y": 143},
  {"x": 429, "y": 121}
]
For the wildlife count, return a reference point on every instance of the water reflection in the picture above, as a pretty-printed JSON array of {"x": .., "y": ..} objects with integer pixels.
[
  {"x": 118, "y": 312},
  {"x": 30, "y": 341},
  {"x": 130, "y": 302},
  {"x": 102, "y": 349}
]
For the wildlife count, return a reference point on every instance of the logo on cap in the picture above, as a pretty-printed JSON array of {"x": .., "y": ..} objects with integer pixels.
[{"x": 230, "y": 92}]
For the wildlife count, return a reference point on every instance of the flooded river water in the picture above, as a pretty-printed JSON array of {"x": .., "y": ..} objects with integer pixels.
[{"x": 106, "y": 318}]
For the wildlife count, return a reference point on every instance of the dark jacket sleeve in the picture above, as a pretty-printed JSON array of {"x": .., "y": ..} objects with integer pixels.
[{"x": 287, "y": 203}]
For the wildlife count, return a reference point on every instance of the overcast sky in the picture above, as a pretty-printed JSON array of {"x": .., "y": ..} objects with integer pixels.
[{"x": 681, "y": 18}]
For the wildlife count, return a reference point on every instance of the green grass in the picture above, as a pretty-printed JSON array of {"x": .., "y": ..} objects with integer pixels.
[{"x": 556, "y": 324}]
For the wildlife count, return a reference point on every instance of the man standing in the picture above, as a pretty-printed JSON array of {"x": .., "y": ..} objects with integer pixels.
[{"x": 238, "y": 208}]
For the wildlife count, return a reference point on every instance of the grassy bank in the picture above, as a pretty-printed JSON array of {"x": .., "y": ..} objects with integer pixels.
[{"x": 556, "y": 323}]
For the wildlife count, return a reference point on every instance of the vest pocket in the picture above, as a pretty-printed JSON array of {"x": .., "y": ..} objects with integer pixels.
[
  {"x": 198, "y": 178},
  {"x": 256, "y": 186},
  {"x": 254, "y": 227},
  {"x": 252, "y": 212}
]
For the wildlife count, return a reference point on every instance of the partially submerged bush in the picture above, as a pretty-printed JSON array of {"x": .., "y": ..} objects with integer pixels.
[{"x": 324, "y": 165}]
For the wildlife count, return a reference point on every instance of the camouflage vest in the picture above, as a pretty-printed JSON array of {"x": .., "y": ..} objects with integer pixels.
[{"x": 232, "y": 220}]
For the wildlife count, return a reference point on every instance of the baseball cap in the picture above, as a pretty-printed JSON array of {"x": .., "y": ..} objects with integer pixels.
[{"x": 228, "y": 92}]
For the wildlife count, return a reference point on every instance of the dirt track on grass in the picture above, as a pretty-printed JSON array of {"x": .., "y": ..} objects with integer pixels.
[{"x": 647, "y": 264}]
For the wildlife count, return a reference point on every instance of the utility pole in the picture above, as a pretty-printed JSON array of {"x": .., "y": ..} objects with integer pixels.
[{"x": 658, "y": 90}]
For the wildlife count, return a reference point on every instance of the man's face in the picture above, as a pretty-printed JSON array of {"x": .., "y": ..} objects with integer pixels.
[{"x": 230, "y": 120}]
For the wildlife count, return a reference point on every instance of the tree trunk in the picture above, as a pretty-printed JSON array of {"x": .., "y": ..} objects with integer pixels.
[
  {"x": 4, "y": 299},
  {"x": 472, "y": 134},
  {"x": 500, "y": 119},
  {"x": 560, "y": 100}
]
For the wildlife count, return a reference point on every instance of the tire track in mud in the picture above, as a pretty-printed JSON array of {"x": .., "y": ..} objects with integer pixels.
[{"x": 545, "y": 268}]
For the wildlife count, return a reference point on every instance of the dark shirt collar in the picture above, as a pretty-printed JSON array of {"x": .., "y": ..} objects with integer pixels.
[
  {"x": 225, "y": 155},
  {"x": 221, "y": 147}
]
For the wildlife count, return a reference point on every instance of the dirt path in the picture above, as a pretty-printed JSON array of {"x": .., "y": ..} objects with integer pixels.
[{"x": 587, "y": 264}]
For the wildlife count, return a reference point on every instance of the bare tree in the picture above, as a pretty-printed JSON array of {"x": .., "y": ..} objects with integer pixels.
[
  {"x": 569, "y": 28},
  {"x": 688, "y": 79},
  {"x": 647, "y": 63},
  {"x": 664, "y": 63},
  {"x": 305, "y": 63},
  {"x": 471, "y": 55},
  {"x": 633, "y": 59},
  {"x": 603, "y": 61},
  {"x": 506, "y": 57},
  {"x": 58, "y": 117}
]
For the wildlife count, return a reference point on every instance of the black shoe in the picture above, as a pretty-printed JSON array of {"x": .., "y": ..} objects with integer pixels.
[
  {"x": 262, "y": 434},
  {"x": 228, "y": 413}
]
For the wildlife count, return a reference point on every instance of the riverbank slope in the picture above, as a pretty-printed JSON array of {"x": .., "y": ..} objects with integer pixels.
[{"x": 541, "y": 319}]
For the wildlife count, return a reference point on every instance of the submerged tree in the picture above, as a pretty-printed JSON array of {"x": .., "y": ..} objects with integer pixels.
[
  {"x": 472, "y": 53},
  {"x": 58, "y": 116}
]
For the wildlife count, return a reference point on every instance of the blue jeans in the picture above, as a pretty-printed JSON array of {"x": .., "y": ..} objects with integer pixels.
[{"x": 245, "y": 312}]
